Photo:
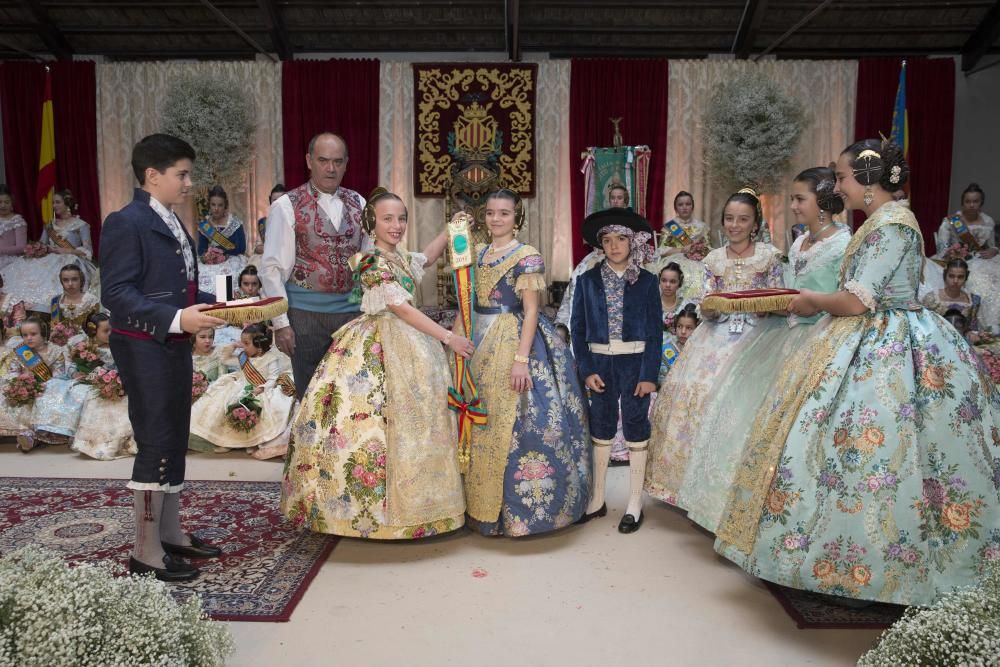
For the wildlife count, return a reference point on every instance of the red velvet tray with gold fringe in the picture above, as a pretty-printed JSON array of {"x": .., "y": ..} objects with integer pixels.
[
  {"x": 240, "y": 314},
  {"x": 749, "y": 301}
]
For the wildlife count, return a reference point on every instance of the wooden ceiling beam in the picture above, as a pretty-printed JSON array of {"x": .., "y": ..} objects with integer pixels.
[
  {"x": 753, "y": 12},
  {"x": 982, "y": 39},
  {"x": 276, "y": 27},
  {"x": 54, "y": 40},
  {"x": 512, "y": 20},
  {"x": 239, "y": 31}
]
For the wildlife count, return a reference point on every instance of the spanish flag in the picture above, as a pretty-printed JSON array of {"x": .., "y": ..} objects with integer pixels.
[
  {"x": 900, "y": 134},
  {"x": 47, "y": 154}
]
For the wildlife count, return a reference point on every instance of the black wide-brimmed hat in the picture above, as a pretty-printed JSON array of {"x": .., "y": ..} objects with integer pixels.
[{"x": 625, "y": 217}]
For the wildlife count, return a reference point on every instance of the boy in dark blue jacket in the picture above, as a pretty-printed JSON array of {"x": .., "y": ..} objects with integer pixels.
[
  {"x": 617, "y": 327},
  {"x": 149, "y": 283}
]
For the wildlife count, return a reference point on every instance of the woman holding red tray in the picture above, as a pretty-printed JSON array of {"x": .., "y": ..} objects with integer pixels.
[
  {"x": 742, "y": 264},
  {"x": 873, "y": 469},
  {"x": 813, "y": 263}
]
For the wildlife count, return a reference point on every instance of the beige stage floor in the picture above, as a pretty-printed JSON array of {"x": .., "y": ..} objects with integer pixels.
[{"x": 584, "y": 596}]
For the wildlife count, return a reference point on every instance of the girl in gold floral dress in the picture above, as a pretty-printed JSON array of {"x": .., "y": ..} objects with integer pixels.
[{"x": 375, "y": 446}]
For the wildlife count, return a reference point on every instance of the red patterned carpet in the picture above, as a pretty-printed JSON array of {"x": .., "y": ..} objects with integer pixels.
[{"x": 266, "y": 565}]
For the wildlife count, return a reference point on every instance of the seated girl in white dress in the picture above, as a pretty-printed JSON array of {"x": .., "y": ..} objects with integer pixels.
[
  {"x": 104, "y": 431},
  {"x": 34, "y": 279},
  {"x": 73, "y": 305},
  {"x": 13, "y": 229},
  {"x": 29, "y": 363},
  {"x": 250, "y": 407}
]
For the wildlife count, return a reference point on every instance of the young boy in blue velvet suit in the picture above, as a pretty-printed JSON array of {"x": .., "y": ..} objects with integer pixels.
[
  {"x": 617, "y": 327},
  {"x": 149, "y": 283}
]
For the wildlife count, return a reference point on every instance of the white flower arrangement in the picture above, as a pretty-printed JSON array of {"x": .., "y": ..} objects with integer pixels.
[
  {"x": 86, "y": 615},
  {"x": 218, "y": 119},
  {"x": 962, "y": 628},
  {"x": 751, "y": 130}
]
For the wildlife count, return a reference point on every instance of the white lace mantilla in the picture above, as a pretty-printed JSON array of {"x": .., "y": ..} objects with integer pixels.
[
  {"x": 761, "y": 260},
  {"x": 13, "y": 222},
  {"x": 820, "y": 254},
  {"x": 379, "y": 298}
]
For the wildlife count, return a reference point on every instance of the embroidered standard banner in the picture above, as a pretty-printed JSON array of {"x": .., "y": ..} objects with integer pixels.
[
  {"x": 604, "y": 168},
  {"x": 474, "y": 112}
]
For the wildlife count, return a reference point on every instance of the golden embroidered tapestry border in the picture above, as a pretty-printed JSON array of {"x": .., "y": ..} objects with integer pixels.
[{"x": 468, "y": 112}]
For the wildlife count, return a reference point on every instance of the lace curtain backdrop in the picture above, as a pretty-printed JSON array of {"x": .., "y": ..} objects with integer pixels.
[
  {"x": 548, "y": 227},
  {"x": 129, "y": 107},
  {"x": 826, "y": 88}
]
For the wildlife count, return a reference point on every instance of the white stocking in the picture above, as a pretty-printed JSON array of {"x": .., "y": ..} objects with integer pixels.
[
  {"x": 602, "y": 454},
  {"x": 637, "y": 475}
]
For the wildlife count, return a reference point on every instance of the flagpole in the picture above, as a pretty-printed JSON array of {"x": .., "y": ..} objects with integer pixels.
[{"x": 45, "y": 189}]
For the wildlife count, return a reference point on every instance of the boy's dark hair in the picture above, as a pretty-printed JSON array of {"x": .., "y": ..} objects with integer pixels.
[{"x": 159, "y": 151}]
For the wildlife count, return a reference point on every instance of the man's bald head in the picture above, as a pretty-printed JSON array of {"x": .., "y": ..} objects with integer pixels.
[
  {"x": 327, "y": 161},
  {"x": 324, "y": 137}
]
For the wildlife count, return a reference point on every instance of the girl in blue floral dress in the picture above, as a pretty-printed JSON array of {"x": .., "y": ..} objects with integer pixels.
[
  {"x": 873, "y": 470},
  {"x": 529, "y": 471}
]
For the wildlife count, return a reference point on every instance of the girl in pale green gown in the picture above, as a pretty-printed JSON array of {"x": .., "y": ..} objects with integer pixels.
[
  {"x": 813, "y": 263},
  {"x": 873, "y": 470}
]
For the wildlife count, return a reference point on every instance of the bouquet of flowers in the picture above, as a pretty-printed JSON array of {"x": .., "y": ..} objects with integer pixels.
[
  {"x": 62, "y": 331},
  {"x": 199, "y": 385},
  {"x": 957, "y": 251},
  {"x": 23, "y": 388},
  {"x": 108, "y": 384},
  {"x": 992, "y": 363},
  {"x": 244, "y": 414},
  {"x": 213, "y": 256},
  {"x": 85, "y": 357},
  {"x": 697, "y": 250},
  {"x": 36, "y": 249}
]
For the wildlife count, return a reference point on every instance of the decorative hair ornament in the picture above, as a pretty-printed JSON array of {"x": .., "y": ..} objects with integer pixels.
[
  {"x": 894, "y": 174},
  {"x": 368, "y": 212},
  {"x": 868, "y": 167},
  {"x": 760, "y": 211},
  {"x": 825, "y": 195}
]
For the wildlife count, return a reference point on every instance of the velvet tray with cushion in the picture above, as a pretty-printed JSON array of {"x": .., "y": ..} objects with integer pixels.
[{"x": 749, "y": 301}]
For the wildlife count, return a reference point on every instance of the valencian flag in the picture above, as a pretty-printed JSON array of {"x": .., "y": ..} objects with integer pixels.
[
  {"x": 900, "y": 134},
  {"x": 47, "y": 155}
]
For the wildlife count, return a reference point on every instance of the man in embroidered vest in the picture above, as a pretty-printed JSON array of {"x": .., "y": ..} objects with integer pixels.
[{"x": 312, "y": 232}]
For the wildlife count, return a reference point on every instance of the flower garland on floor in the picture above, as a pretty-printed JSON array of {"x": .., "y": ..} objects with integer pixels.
[
  {"x": 962, "y": 628},
  {"x": 89, "y": 616}
]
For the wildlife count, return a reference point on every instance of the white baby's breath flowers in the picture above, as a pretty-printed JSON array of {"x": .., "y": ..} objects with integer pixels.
[
  {"x": 751, "y": 130},
  {"x": 218, "y": 119},
  {"x": 962, "y": 628},
  {"x": 54, "y": 615}
]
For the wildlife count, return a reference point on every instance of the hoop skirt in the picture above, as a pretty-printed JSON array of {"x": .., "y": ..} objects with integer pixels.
[
  {"x": 873, "y": 471},
  {"x": 374, "y": 450}
]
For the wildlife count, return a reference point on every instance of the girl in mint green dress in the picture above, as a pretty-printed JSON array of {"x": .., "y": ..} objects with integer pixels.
[
  {"x": 813, "y": 263},
  {"x": 872, "y": 470}
]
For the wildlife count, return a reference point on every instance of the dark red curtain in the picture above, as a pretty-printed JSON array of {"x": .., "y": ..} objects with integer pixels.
[
  {"x": 22, "y": 86},
  {"x": 339, "y": 96},
  {"x": 74, "y": 102},
  {"x": 74, "y": 106},
  {"x": 634, "y": 90},
  {"x": 930, "y": 101}
]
